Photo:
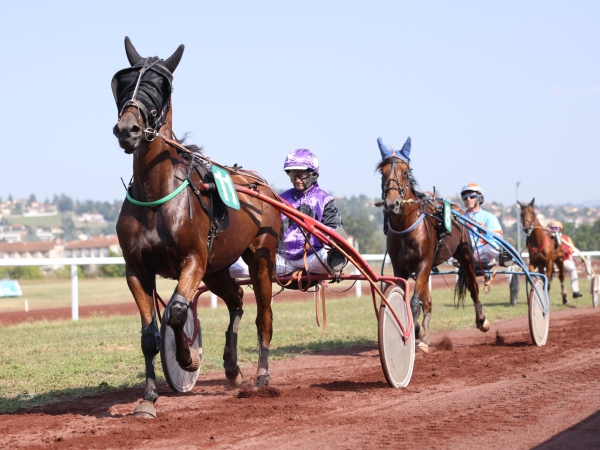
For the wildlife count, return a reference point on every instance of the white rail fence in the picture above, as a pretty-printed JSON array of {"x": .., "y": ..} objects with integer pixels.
[{"x": 74, "y": 262}]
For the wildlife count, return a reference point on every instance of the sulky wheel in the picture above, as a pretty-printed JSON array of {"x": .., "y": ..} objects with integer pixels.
[
  {"x": 397, "y": 357},
  {"x": 179, "y": 380},
  {"x": 595, "y": 289},
  {"x": 538, "y": 323}
]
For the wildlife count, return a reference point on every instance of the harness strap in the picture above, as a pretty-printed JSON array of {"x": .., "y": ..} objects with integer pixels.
[
  {"x": 159, "y": 202},
  {"x": 535, "y": 249},
  {"x": 409, "y": 229}
]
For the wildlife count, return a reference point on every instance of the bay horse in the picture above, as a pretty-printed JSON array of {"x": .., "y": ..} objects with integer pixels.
[
  {"x": 544, "y": 250},
  {"x": 185, "y": 238},
  {"x": 414, "y": 240}
]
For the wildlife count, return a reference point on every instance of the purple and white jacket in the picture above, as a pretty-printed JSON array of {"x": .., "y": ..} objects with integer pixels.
[{"x": 313, "y": 202}]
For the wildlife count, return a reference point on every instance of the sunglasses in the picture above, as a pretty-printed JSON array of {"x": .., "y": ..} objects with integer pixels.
[{"x": 471, "y": 196}]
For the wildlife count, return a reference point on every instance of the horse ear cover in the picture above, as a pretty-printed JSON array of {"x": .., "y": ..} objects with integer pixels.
[
  {"x": 132, "y": 55},
  {"x": 387, "y": 151},
  {"x": 173, "y": 61}
]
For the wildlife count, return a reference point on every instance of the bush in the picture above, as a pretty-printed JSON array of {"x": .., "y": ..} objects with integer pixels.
[
  {"x": 112, "y": 270},
  {"x": 21, "y": 273}
]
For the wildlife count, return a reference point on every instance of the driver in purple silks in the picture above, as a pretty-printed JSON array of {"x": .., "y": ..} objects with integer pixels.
[{"x": 307, "y": 197}]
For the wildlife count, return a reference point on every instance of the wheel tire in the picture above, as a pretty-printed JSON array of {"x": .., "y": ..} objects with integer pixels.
[
  {"x": 538, "y": 324},
  {"x": 178, "y": 379},
  {"x": 397, "y": 358}
]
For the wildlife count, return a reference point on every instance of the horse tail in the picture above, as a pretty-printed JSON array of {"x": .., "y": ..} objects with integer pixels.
[{"x": 461, "y": 288}]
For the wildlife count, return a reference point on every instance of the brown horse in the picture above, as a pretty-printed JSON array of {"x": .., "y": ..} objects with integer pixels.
[
  {"x": 414, "y": 242},
  {"x": 544, "y": 251},
  {"x": 187, "y": 238}
]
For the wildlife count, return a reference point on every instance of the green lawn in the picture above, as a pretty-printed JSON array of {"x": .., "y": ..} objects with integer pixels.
[
  {"x": 40, "y": 221},
  {"x": 44, "y": 362}
]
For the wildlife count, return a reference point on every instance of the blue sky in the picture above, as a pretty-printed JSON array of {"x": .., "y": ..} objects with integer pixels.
[{"x": 490, "y": 92}]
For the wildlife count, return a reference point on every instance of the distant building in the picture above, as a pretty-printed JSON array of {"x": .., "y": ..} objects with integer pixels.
[
  {"x": 93, "y": 247},
  {"x": 24, "y": 250},
  {"x": 87, "y": 217}
]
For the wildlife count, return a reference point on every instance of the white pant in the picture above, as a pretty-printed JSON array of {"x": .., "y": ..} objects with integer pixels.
[
  {"x": 283, "y": 266},
  {"x": 570, "y": 268},
  {"x": 487, "y": 254}
]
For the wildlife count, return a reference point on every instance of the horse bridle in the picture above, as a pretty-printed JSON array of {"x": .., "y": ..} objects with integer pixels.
[
  {"x": 386, "y": 186},
  {"x": 528, "y": 229},
  {"x": 151, "y": 131}
]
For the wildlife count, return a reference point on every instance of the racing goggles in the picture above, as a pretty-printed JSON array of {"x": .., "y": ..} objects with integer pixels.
[
  {"x": 300, "y": 174},
  {"x": 555, "y": 228},
  {"x": 469, "y": 196}
]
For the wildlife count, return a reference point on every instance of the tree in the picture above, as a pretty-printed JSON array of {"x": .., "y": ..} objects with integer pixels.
[{"x": 63, "y": 203}]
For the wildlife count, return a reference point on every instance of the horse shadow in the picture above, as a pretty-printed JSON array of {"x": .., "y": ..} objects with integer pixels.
[
  {"x": 331, "y": 347},
  {"x": 582, "y": 435}
]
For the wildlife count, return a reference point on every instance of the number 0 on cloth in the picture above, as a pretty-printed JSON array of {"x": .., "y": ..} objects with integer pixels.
[{"x": 225, "y": 187}]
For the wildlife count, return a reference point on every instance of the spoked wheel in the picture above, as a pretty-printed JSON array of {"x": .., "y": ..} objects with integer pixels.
[
  {"x": 179, "y": 380},
  {"x": 538, "y": 324},
  {"x": 595, "y": 289},
  {"x": 397, "y": 357}
]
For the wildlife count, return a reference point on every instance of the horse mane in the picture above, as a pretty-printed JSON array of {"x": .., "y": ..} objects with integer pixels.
[
  {"x": 412, "y": 181},
  {"x": 191, "y": 147}
]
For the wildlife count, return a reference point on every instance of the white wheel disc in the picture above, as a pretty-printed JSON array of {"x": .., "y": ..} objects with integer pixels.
[
  {"x": 538, "y": 324},
  {"x": 178, "y": 379},
  {"x": 397, "y": 357}
]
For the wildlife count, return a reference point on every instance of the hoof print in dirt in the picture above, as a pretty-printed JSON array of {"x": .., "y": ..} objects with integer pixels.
[{"x": 263, "y": 392}]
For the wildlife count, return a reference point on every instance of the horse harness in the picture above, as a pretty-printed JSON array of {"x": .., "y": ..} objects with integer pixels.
[{"x": 426, "y": 202}]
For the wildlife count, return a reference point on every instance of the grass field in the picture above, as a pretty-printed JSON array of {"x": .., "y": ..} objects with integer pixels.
[
  {"x": 44, "y": 362},
  {"x": 40, "y": 221}
]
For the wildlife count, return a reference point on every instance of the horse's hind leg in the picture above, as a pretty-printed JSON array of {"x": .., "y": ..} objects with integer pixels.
[
  {"x": 143, "y": 295},
  {"x": 468, "y": 280},
  {"x": 561, "y": 277},
  {"x": 221, "y": 284}
]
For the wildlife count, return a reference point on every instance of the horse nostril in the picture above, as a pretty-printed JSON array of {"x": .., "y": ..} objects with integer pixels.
[
  {"x": 134, "y": 130},
  {"x": 116, "y": 130}
]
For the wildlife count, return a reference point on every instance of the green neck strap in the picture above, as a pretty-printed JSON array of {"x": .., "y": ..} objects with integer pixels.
[{"x": 159, "y": 202}]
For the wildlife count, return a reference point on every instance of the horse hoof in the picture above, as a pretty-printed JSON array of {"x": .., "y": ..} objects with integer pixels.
[
  {"x": 236, "y": 378},
  {"x": 195, "y": 364},
  {"x": 261, "y": 381},
  {"x": 145, "y": 410},
  {"x": 423, "y": 347},
  {"x": 485, "y": 327}
]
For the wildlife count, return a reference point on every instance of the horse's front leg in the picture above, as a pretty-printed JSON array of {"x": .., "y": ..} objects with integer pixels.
[
  {"x": 422, "y": 297},
  {"x": 261, "y": 269},
  {"x": 177, "y": 312},
  {"x": 142, "y": 290}
]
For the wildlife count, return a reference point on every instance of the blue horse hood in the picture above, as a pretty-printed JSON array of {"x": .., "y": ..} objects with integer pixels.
[{"x": 387, "y": 151}]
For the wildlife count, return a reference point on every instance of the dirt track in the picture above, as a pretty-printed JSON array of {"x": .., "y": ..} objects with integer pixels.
[{"x": 472, "y": 390}]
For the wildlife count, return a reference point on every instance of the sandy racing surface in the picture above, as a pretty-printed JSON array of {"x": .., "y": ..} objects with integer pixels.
[{"x": 472, "y": 390}]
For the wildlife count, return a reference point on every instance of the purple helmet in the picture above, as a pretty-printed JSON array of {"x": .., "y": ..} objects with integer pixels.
[{"x": 301, "y": 159}]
